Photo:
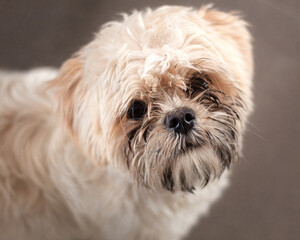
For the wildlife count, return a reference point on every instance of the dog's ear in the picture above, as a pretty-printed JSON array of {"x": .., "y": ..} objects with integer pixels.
[
  {"x": 67, "y": 88},
  {"x": 232, "y": 29}
]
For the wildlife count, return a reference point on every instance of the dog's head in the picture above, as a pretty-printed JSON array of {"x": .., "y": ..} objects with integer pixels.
[{"x": 162, "y": 94}]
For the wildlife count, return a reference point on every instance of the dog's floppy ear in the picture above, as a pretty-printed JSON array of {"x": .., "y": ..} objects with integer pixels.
[
  {"x": 68, "y": 91},
  {"x": 231, "y": 28}
]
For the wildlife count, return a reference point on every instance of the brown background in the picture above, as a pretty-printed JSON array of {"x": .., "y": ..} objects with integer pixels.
[{"x": 263, "y": 200}]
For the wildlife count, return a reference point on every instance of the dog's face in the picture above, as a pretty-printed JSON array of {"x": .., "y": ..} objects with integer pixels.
[{"x": 162, "y": 95}]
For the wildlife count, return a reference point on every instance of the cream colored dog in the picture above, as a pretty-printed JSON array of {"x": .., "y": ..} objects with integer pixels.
[{"x": 132, "y": 137}]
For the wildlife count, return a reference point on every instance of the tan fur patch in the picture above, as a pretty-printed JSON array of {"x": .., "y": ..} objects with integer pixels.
[{"x": 66, "y": 85}]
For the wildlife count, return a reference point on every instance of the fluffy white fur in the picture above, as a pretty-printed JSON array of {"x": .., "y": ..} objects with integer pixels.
[{"x": 62, "y": 174}]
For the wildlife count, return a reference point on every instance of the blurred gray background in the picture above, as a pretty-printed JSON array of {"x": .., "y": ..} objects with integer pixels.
[{"x": 263, "y": 201}]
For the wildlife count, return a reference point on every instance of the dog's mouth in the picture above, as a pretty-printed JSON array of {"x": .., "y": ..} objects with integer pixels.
[
  {"x": 190, "y": 147},
  {"x": 191, "y": 143}
]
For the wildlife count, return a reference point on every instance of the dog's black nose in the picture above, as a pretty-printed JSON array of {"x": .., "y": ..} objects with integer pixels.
[{"x": 181, "y": 120}]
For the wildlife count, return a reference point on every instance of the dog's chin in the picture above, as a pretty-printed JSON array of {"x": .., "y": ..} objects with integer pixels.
[
  {"x": 195, "y": 166},
  {"x": 185, "y": 169}
]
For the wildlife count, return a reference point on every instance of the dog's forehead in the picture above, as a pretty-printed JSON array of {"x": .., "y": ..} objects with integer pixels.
[
  {"x": 149, "y": 51},
  {"x": 151, "y": 43},
  {"x": 155, "y": 70}
]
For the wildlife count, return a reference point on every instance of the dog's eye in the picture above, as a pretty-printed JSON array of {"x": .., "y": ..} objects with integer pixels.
[
  {"x": 137, "y": 110},
  {"x": 197, "y": 84}
]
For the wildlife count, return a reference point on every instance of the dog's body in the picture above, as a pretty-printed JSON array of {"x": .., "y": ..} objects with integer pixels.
[
  {"x": 71, "y": 180},
  {"x": 49, "y": 190}
]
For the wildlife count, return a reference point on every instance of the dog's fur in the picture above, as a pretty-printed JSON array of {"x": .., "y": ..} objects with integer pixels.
[{"x": 72, "y": 163}]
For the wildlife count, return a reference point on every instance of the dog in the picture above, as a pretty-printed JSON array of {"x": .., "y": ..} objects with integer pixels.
[{"x": 132, "y": 138}]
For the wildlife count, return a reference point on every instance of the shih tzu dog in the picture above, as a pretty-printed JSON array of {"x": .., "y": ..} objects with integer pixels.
[{"x": 132, "y": 138}]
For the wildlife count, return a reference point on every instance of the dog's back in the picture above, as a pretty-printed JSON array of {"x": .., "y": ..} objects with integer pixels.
[{"x": 28, "y": 198}]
